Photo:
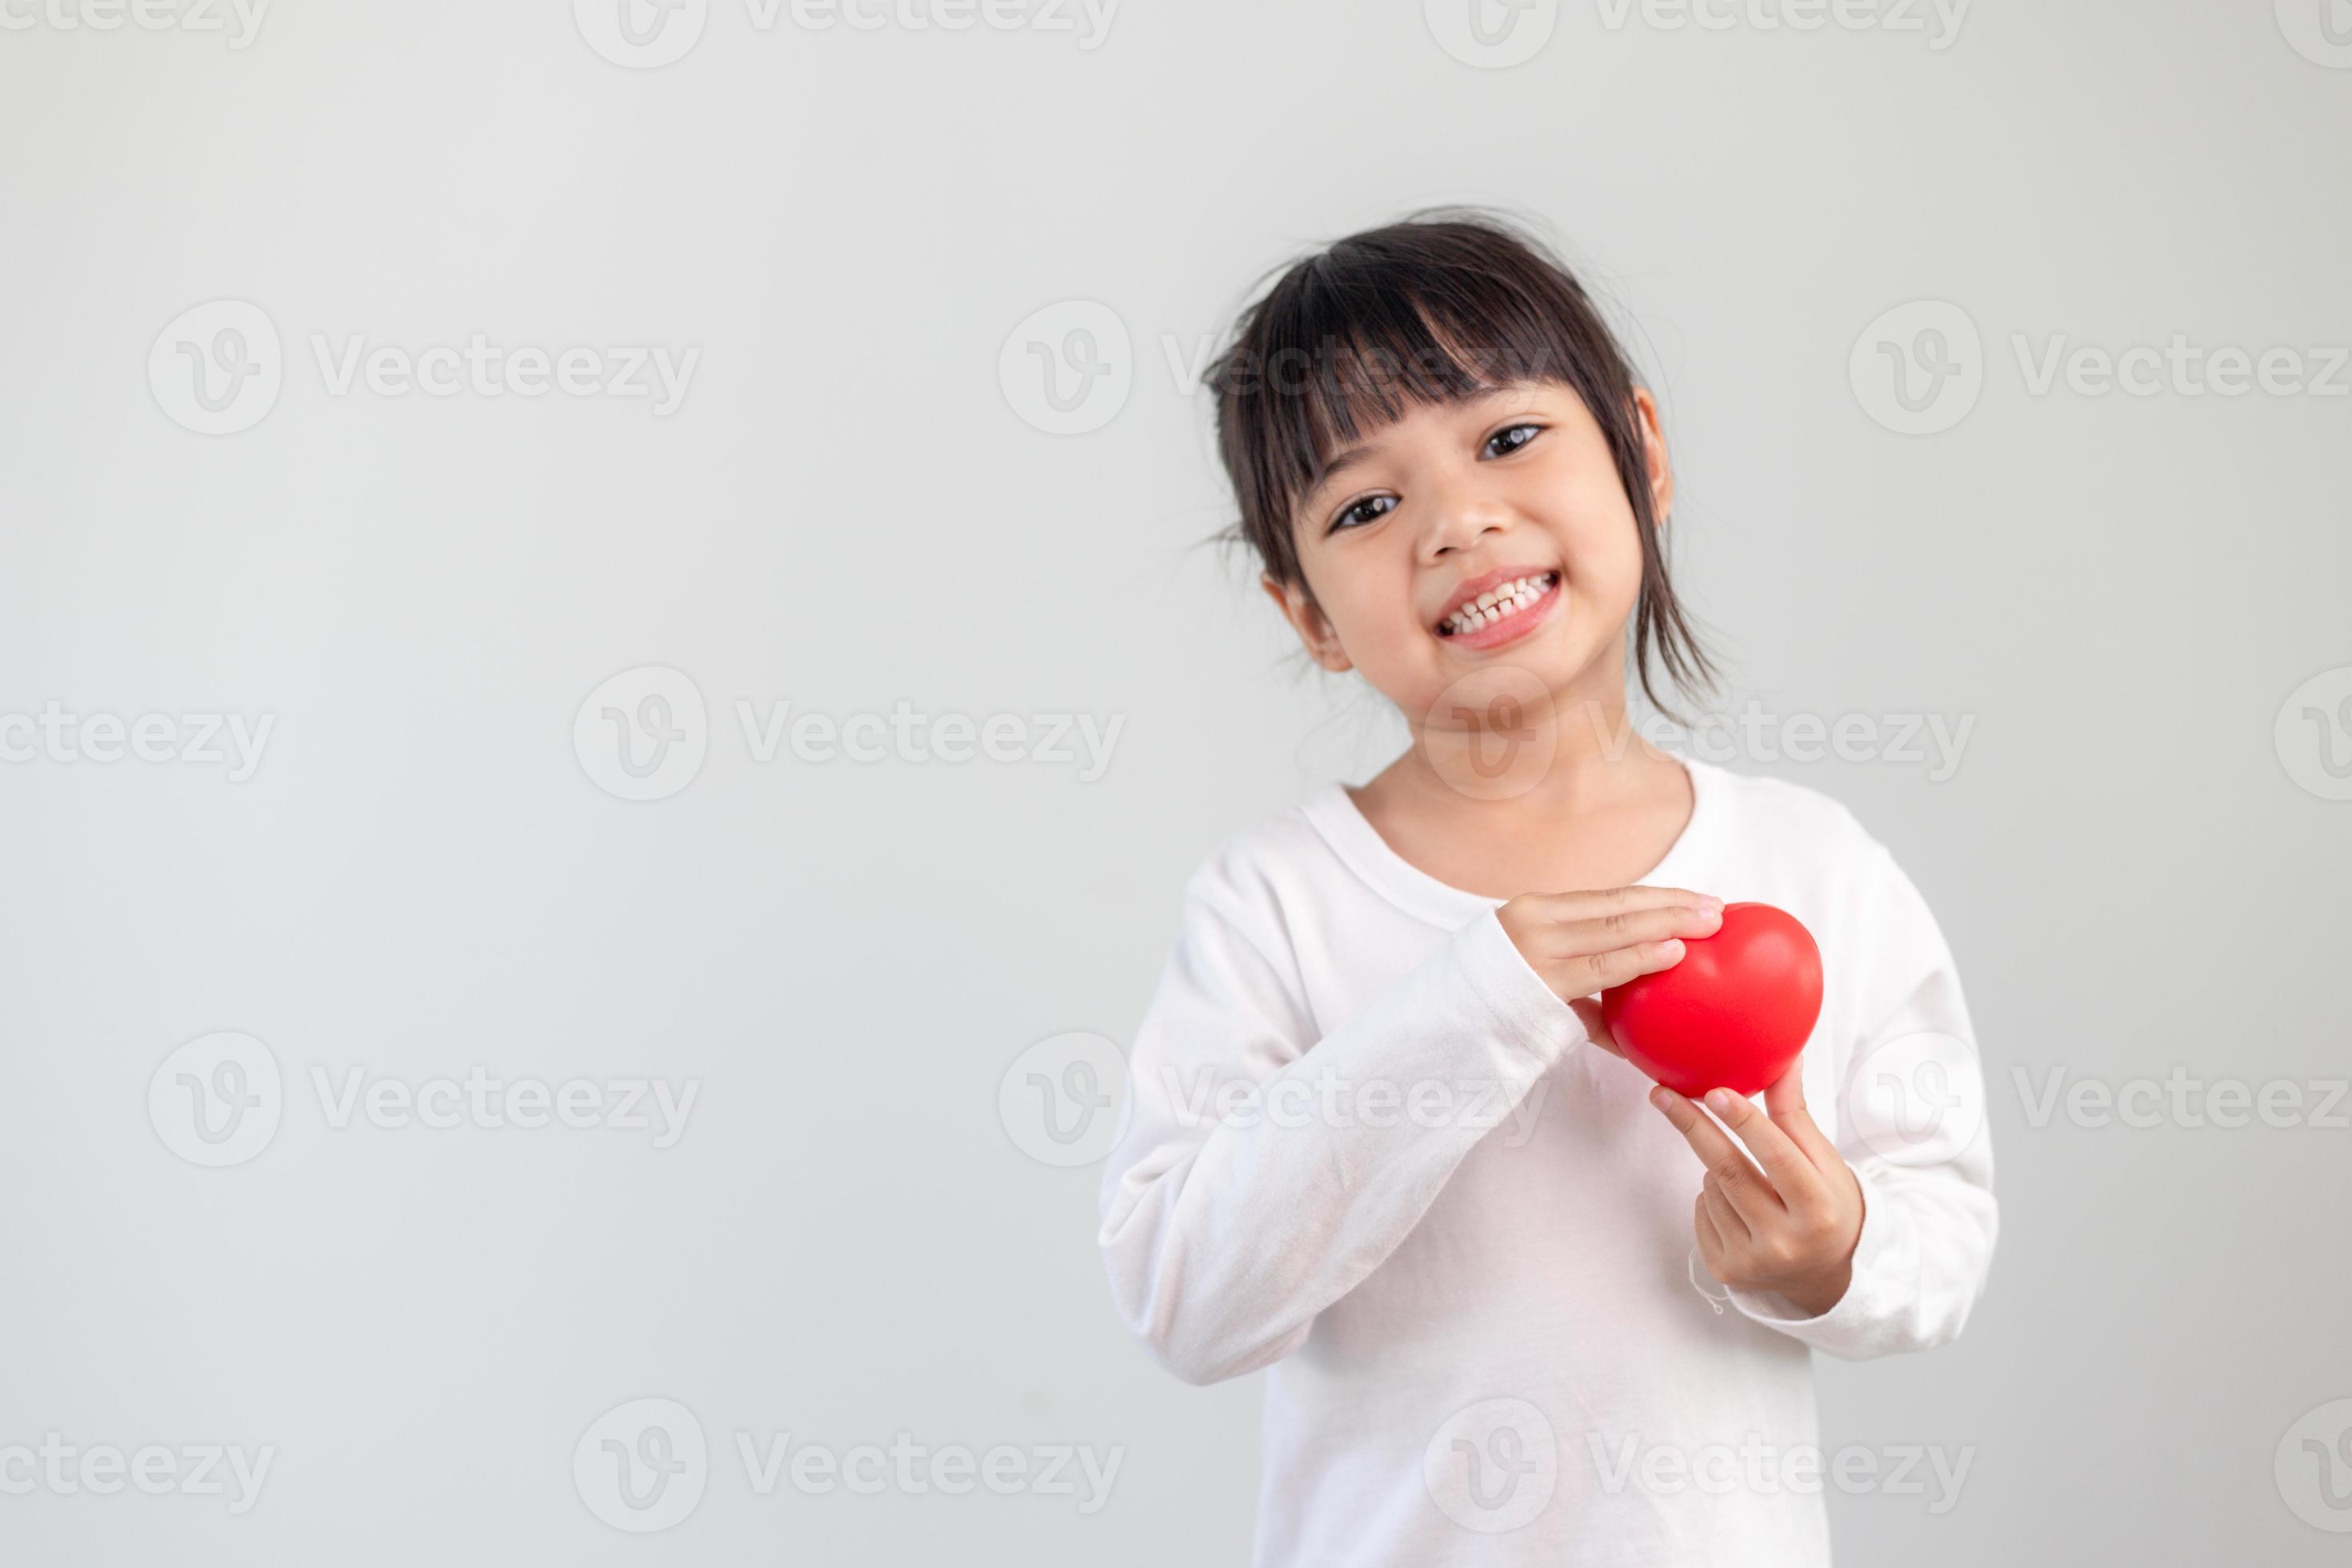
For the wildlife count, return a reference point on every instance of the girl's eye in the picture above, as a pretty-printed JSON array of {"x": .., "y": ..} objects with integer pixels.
[
  {"x": 1355, "y": 514},
  {"x": 1503, "y": 442}
]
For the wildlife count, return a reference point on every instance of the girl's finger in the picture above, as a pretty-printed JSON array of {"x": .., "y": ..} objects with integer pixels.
[
  {"x": 1748, "y": 1191},
  {"x": 1791, "y": 1170},
  {"x": 1702, "y": 1226},
  {"x": 1588, "y": 1013},
  {"x": 1593, "y": 902},
  {"x": 1630, "y": 927},
  {"x": 1600, "y": 971},
  {"x": 1785, "y": 1099},
  {"x": 1728, "y": 1222}
]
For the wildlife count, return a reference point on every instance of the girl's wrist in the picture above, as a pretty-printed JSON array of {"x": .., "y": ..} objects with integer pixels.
[{"x": 1816, "y": 1296}]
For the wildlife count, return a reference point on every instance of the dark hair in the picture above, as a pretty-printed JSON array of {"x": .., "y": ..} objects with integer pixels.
[{"x": 1440, "y": 307}]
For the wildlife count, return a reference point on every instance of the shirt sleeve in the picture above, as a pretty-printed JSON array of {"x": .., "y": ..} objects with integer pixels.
[
  {"x": 1911, "y": 1123},
  {"x": 1225, "y": 1234}
]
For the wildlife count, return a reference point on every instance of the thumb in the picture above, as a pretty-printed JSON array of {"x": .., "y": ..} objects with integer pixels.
[
  {"x": 1784, "y": 1102},
  {"x": 1587, "y": 1011}
]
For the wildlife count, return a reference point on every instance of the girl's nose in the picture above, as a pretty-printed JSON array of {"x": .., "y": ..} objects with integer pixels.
[{"x": 1460, "y": 516}]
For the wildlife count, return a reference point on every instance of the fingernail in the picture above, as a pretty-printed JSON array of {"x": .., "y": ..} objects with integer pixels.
[
  {"x": 1719, "y": 1100},
  {"x": 1658, "y": 1097},
  {"x": 1711, "y": 904}
]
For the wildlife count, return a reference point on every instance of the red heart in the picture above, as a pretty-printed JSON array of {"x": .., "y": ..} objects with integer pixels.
[{"x": 1732, "y": 1015}]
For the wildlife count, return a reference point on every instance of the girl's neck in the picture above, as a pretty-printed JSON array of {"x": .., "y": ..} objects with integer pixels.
[{"x": 1597, "y": 809}]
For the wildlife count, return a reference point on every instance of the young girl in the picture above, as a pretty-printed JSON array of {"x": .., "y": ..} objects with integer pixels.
[{"x": 1379, "y": 1140}]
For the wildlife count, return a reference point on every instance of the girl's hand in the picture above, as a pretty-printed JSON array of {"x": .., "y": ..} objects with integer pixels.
[
  {"x": 1585, "y": 942},
  {"x": 1791, "y": 1227}
]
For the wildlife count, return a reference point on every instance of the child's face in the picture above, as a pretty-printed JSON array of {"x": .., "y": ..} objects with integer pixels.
[{"x": 1513, "y": 486}]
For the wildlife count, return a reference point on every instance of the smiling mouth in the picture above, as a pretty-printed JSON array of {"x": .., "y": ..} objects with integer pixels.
[{"x": 1494, "y": 616}]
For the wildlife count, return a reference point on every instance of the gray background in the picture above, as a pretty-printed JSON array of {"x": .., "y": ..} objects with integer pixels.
[{"x": 848, "y": 511}]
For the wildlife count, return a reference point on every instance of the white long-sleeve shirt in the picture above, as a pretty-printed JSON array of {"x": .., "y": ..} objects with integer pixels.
[{"x": 1369, "y": 1150}]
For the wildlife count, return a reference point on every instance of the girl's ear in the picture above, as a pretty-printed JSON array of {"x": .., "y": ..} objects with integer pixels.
[
  {"x": 1654, "y": 455},
  {"x": 1314, "y": 629}
]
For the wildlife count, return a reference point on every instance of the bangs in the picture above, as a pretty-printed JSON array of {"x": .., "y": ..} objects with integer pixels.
[{"x": 1351, "y": 340}]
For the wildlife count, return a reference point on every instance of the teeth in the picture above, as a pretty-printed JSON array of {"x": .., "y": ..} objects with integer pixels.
[{"x": 1492, "y": 606}]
